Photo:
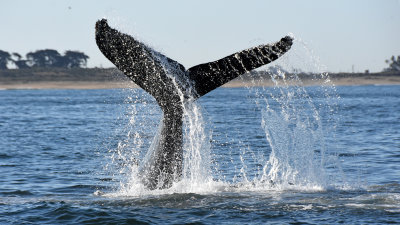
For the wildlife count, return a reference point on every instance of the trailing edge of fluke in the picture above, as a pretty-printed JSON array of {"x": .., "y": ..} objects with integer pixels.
[{"x": 171, "y": 85}]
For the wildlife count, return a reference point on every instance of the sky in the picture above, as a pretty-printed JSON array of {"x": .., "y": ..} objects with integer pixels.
[{"x": 342, "y": 35}]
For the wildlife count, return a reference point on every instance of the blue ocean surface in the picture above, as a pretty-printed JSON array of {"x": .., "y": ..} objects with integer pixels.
[{"x": 257, "y": 155}]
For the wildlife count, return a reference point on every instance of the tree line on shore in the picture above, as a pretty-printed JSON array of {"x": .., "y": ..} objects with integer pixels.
[
  {"x": 46, "y": 58},
  {"x": 394, "y": 64},
  {"x": 50, "y": 58}
]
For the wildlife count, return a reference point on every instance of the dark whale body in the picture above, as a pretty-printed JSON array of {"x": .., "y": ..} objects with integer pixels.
[{"x": 172, "y": 85}]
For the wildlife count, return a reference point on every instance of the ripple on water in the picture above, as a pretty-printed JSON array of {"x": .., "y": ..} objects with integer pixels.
[{"x": 58, "y": 175}]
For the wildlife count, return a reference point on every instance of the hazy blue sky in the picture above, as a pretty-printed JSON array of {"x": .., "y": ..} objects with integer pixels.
[{"x": 340, "y": 33}]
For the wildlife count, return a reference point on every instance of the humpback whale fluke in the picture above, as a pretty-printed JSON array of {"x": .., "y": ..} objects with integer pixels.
[{"x": 171, "y": 85}]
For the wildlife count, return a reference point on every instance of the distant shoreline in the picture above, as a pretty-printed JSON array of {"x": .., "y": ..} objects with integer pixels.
[{"x": 95, "y": 78}]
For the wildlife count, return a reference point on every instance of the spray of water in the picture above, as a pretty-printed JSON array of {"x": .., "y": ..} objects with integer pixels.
[
  {"x": 294, "y": 132},
  {"x": 295, "y": 123},
  {"x": 297, "y": 120}
]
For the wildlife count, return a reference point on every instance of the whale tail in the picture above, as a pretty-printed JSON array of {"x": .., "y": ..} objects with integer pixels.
[
  {"x": 149, "y": 68},
  {"x": 152, "y": 71}
]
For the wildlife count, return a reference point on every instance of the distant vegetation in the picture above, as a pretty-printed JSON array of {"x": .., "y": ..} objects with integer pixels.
[
  {"x": 394, "y": 64},
  {"x": 47, "y": 58}
]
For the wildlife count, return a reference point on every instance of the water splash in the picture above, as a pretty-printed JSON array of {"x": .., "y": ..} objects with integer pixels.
[
  {"x": 294, "y": 132},
  {"x": 137, "y": 120},
  {"x": 197, "y": 154},
  {"x": 294, "y": 121},
  {"x": 297, "y": 123}
]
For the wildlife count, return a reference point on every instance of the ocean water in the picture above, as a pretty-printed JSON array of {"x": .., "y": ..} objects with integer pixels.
[{"x": 252, "y": 155}]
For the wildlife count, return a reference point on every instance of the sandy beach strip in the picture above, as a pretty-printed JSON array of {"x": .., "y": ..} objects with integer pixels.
[
  {"x": 342, "y": 81},
  {"x": 337, "y": 81}
]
